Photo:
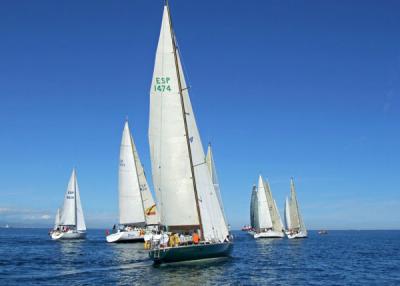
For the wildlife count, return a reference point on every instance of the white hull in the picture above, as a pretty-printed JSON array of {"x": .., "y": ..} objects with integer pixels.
[
  {"x": 125, "y": 236},
  {"x": 68, "y": 235},
  {"x": 301, "y": 234},
  {"x": 269, "y": 234}
]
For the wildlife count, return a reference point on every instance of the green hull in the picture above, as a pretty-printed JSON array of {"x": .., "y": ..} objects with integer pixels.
[{"x": 191, "y": 252}]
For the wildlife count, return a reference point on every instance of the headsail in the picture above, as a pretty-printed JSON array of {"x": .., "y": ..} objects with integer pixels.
[
  {"x": 214, "y": 177},
  {"x": 288, "y": 221},
  {"x": 80, "y": 220},
  {"x": 295, "y": 216},
  {"x": 130, "y": 201},
  {"x": 253, "y": 205},
  {"x": 184, "y": 187},
  {"x": 150, "y": 209},
  {"x": 57, "y": 219},
  {"x": 273, "y": 209}
]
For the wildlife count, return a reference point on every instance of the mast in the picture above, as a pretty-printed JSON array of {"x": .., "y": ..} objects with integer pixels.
[{"x": 185, "y": 121}]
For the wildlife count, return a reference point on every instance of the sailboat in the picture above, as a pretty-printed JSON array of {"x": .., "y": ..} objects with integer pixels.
[
  {"x": 188, "y": 197},
  {"x": 295, "y": 227},
  {"x": 267, "y": 221},
  {"x": 69, "y": 221},
  {"x": 137, "y": 210}
]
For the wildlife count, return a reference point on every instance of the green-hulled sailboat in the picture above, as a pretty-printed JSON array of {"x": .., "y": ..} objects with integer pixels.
[{"x": 188, "y": 198}]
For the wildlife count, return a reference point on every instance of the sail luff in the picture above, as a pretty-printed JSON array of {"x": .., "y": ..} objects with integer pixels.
[
  {"x": 294, "y": 210},
  {"x": 253, "y": 206},
  {"x": 275, "y": 217},
  {"x": 80, "y": 220},
  {"x": 57, "y": 219}
]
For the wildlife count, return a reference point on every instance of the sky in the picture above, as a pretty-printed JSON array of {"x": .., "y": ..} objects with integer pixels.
[{"x": 309, "y": 89}]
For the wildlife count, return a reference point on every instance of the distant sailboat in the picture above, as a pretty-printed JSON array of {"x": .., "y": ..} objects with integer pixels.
[
  {"x": 188, "y": 196},
  {"x": 137, "y": 210},
  {"x": 266, "y": 218},
  {"x": 69, "y": 221},
  {"x": 295, "y": 227}
]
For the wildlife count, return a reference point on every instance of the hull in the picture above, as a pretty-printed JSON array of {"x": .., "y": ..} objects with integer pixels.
[
  {"x": 269, "y": 234},
  {"x": 125, "y": 236},
  {"x": 68, "y": 235},
  {"x": 301, "y": 234},
  {"x": 190, "y": 252}
]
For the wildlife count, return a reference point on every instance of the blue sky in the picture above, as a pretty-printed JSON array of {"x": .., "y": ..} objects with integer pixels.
[{"x": 309, "y": 89}]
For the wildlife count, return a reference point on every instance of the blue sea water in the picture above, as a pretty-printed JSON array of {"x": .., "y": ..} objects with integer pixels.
[{"x": 29, "y": 257}]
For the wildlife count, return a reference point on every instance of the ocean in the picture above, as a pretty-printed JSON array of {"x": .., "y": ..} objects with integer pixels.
[{"x": 29, "y": 257}]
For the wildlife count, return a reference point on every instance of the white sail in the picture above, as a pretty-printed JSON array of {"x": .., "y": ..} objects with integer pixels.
[
  {"x": 288, "y": 221},
  {"x": 150, "y": 209},
  {"x": 130, "y": 201},
  {"x": 295, "y": 216},
  {"x": 174, "y": 162},
  {"x": 275, "y": 217},
  {"x": 253, "y": 204},
  {"x": 263, "y": 219},
  {"x": 68, "y": 215},
  {"x": 80, "y": 220},
  {"x": 57, "y": 219},
  {"x": 214, "y": 177}
]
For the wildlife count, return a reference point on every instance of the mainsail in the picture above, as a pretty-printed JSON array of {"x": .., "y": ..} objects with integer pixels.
[
  {"x": 72, "y": 213},
  {"x": 273, "y": 209},
  {"x": 263, "y": 217},
  {"x": 184, "y": 187},
  {"x": 131, "y": 209}
]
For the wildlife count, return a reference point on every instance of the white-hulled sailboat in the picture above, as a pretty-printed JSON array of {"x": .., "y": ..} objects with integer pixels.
[
  {"x": 295, "y": 227},
  {"x": 267, "y": 220},
  {"x": 69, "y": 222},
  {"x": 137, "y": 210},
  {"x": 188, "y": 201}
]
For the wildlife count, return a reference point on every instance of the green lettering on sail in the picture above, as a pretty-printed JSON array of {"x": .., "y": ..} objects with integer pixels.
[{"x": 162, "y": 84}]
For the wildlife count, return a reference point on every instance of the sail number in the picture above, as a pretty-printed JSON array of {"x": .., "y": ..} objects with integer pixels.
[{"x": 162, "y": 84}]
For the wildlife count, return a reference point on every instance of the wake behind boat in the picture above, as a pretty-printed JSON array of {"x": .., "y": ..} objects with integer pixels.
[
  {"x": 295, "y": 227},
  {"x": 69, "y": 221},
  {"x": 264, "y": 215},
  {"x": 137, "y": 211},
  {"x": 186, "y": 189}
]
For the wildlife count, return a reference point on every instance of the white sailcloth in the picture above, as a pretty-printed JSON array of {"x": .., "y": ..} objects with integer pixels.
[
  {"x": 72, "y": 213},
  {"x": 130, "y": 200},
  {"x": 214, "y": 177},
  {"x": 263, "y": 217},
  {"x": 273, "y": 209},
  {"x": 57, "y": 219},
  {"x": 68, "y": 215},
  {"x": 80, "y": 221},
  {"x": 288, "y": 222},
  {"x": 171, "y": 165},
  {"x": 253, "y": 204},
  {"x": 295, "y": 216},
  {"x": 150, "y": 209}
]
